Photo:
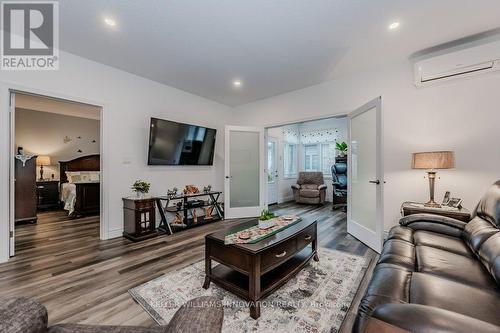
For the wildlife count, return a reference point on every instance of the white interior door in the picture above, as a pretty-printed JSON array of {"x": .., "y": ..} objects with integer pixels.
[
  {"x": 245, "y": 176},
  {"x": 272, "y": 170},
  {"x": 365, "y": 178},
  {"x": 12, "y": 115}
]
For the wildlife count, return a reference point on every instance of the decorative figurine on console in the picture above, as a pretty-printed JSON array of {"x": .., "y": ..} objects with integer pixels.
[
  {"x": 191, "y": 189},
  {"x": 172, "y": 193},
  {"x": 178, "y": 219},
  {"x": 207, "y": 189},
  {"x": 208, "y": 212}
]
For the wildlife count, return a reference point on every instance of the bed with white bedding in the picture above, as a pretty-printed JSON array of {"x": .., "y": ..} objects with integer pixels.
[{"x": 80, "y": 185}]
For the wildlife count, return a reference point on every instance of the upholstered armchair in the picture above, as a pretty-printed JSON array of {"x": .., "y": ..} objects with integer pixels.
[
  {"x": 23, "y": 315},
  {"x": 310, "y": 188},
  {"x": 339, "y": 177}
]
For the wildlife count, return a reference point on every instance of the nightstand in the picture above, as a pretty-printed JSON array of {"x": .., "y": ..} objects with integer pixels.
[
  {"x": 139, "y": 218},
  {"x": 410, "y": 208},
  {"x": 47, "y": 193}
]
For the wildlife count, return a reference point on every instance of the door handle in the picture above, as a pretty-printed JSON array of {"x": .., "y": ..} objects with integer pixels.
[
  {"x": 227, "y": 177},
  {"x": 374, "y": 181}
]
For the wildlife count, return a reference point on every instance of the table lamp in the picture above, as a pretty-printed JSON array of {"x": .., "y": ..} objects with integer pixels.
[
  {"x": 433, "y": 161},
  {"x": 41, "y": 161}
]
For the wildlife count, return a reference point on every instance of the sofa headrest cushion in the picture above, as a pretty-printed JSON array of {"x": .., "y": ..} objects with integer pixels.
[
  {"x": 489, "y": 206},
  {"x": 315, "y": 178}
]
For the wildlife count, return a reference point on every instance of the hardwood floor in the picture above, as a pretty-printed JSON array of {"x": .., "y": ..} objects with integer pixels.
[{"x": 81, "y": 279}]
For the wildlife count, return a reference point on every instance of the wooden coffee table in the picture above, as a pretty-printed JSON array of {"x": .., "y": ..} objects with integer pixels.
[{"x": 253, "y": 271}]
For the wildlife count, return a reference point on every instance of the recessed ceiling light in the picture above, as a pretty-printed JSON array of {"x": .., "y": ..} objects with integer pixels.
[
  {"x": 237, "y": 83},
  {"x": 110, "y": 22},
  {"x": 394, "y": 25}
]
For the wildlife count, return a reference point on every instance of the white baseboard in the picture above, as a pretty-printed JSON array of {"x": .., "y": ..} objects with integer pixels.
[
  {"x": 286, "y": 199},
  {"x": 115, "y": 233}
]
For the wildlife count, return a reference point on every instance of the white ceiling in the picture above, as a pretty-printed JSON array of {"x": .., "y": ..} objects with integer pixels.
[{"x": 272, "y": 46}]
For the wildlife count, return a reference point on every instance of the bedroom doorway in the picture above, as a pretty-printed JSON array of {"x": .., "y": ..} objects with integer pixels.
[{"x": 55, "y": 172}]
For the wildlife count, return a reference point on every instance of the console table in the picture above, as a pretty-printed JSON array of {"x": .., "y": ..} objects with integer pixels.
[{"x": 183, "y": 206}]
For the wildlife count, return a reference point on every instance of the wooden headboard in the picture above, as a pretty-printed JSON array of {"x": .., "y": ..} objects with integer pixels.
[{"x": 84, "y": 163}]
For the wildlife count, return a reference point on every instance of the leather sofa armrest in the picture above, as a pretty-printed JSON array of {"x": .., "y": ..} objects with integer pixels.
[
  {"x": 296, "y": 186},
  {"x": 322, "y": 187},
  {"x": 435, "y": 223},
  {"x": 199, "y": 315},
  {"x": 423, "y": 318}
]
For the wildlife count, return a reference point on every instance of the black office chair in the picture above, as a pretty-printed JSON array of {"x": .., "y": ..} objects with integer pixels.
[{"x": 339, "y": 176}]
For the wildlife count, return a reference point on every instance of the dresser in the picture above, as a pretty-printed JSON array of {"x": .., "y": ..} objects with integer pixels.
[
  {"x": 47, "y": 193},
  {"x": 25, "y": 191}
]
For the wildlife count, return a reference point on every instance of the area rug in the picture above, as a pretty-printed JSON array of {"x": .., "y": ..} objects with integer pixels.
[{"x": 315, "y": 300}]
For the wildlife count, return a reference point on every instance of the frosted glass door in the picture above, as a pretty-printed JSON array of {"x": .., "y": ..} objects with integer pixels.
[
  {"x": 365, "y": 221},
  {"x": 244, "y": 161}
]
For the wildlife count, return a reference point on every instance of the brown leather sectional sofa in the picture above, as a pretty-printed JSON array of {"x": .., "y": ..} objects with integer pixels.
[{"x": 437, "y": 274}]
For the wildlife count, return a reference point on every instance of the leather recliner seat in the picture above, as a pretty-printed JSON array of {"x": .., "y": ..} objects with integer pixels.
[{"x": 437, "y": 274}]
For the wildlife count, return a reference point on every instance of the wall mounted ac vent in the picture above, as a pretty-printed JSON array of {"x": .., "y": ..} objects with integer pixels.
[{"x": 463, "y": 58}]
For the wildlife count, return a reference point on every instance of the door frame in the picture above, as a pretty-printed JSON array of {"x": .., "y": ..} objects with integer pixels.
[
  {"x": 277, "y": 165},
  {"x": 354, "y": 228},
  {"x": 302, "y": 120},
  {"x": 244, "y": 211},
  {"x": 7, "y": 168}
]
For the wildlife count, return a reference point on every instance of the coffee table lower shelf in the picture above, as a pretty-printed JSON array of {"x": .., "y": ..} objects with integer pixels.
[{"x": 238, "y": 283}]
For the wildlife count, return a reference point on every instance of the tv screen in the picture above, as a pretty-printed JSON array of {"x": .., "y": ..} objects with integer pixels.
[{"x": 172, "y": 143}]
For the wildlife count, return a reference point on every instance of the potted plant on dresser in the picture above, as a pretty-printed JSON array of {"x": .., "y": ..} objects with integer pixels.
[{"x": 141, "y": 188}]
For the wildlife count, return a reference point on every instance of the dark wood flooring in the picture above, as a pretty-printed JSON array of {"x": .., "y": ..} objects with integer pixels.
[{"x": 81, "y": 279}]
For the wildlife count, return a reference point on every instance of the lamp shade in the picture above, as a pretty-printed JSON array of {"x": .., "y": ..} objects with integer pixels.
[
  {"x": 433, "y": 160},
  {"x": 43, "y": 160}
]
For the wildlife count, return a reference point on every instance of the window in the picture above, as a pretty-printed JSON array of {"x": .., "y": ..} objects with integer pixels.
[
  {"x": 327, "y": 158},
  {"x": 319, "y": 157},
  {"x": 311, "y": 157},
  {"x": 290, "y": 160}
]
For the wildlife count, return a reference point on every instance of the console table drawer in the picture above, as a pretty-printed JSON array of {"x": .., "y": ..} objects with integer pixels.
[
  {"x": 278, "y": 254},
  {"x": 306, "y": 237}
]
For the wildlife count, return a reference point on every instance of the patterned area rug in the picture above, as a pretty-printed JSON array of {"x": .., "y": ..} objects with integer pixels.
[{"x": 315, "y": 300}]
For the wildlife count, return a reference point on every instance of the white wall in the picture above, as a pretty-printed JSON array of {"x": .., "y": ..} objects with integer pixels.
[
  {"x": 129, "y": 101},
  {"x": 461, "y": 115},
  {"x": 43, "y": 133}
]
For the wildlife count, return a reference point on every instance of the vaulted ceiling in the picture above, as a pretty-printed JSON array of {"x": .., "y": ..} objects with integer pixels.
[{"x": 271, "y": 46}]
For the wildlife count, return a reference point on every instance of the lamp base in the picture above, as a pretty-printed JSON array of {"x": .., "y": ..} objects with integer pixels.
[{"x": 432, "y": 204}]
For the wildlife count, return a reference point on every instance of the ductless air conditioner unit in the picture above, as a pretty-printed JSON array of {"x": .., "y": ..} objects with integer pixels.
[{"x": 466, "y": 57}]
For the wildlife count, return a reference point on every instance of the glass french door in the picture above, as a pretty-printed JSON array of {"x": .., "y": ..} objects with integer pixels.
[
  {"x": 272, "y": 171},
  {"x": 365, "y": 175},
  {"x": 245, "y": 177}
]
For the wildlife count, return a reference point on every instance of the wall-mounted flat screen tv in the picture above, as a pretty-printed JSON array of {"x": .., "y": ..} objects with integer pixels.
[{"x": 172, "y": 143}]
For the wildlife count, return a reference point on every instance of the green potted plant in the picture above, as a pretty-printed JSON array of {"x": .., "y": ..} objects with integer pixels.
[
  {"x": 342, "y": 148},
  {"x": 141, "y": 187},
  {"x": 265, "y": 219}
]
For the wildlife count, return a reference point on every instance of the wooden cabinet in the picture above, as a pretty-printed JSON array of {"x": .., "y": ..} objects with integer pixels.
[
  {"x": 25, "y": 191},
  {"x": 139, "y": 219},
  {"x": 47, "y": 194}
]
